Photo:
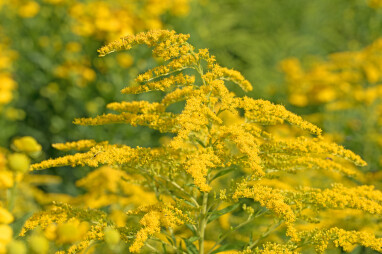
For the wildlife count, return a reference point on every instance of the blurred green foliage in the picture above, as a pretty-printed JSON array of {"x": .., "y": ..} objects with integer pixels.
[
  {"x": 254, "y": 36},
  {"x": 57, "y": 69}
]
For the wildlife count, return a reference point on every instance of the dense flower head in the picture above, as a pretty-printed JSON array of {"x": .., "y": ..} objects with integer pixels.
[{"x": 207, "y": 153}]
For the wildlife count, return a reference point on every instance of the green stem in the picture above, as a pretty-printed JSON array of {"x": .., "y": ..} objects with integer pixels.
[
  {"x": 203, "y": 222},
  {"x": 152, "y": 248},
  {"x": 179, "y": 188},
  {"x": 250, "y": 218},
  {"x": 167, "y": 244},
  {"x": 226, "y": 234},
  {"x": 271, "y": 228},
  {"x": 12, "y": 194}
]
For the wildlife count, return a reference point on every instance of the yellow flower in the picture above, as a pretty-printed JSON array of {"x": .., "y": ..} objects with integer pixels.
[
  {"x": 6, "y": 179},
  {"x": 71, "y": 231},
  {"x": 204, "y": 152},
  {"x": 299, "y": 100},
  {"x": 39, "y": 244},
  {"x": 5, "y": 234},
  {"x": 18, "y": 162},
  {"x": 29, "y": 9},
  {"x": 118, "y": 217},
  {"x": 7, "y": 85},
  {"x": 5, "y": 216},
  {"x": 112, "y": 236},
  {"x": 16, "y": 247},
  {"x": 151, "y": 225},
  {"x": 26, "y": 144},
  {"x": 125, "y": 60}
]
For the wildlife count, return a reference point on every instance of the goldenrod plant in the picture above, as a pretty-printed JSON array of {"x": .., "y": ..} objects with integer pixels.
[
  {"x": 20, "y": 196},
  {"x": 214, "y": 185}
]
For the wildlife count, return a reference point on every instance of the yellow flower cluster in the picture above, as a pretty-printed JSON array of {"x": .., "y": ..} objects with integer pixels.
[
  {"x": 6, "y": 231},
  {"x": 264, "y": 112},
  {"x": 363, "y": 198},
  {"x": 156, "y": 216},
  {"x": 347, "y": 84},
  {"x": 20, "y": 195},
  {"x": 24, "y": 9},
  {"x": 162, "y": 121},
  {"x": 117, "y": 18},
  {"x": 246, "y": 143},
  {"x": 200, "y": 116},
  {"x": 271, "y": 199},
  {"x": 151, "y": 225},
  {"x": 111, "y": 186},
  {"x": 79, "y": 145},
  {"x": 151, "y": 39},
  {"x": 219, "y": 72},
  {"x": 79, "y": 70},
  {"x": 345, "y": 79},
  {"x": 287, "y": 205},
  {"x": 67, "y": 225},
  {"x": 275, "y": 248},
  {"x": 7, "y": 83},
  {"x": 198, "y": 165},
  {"x": 203, "y": 147},
  {"x": 165, "y": 84},
  {"x": 348, "y": 240},
  {"x": 267, "y": 248}
]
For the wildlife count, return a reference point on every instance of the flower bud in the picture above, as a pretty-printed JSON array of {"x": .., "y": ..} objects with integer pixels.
[
  {"x": 112, "y": 236},
  {"x": 16, "y": 247},
  {"x": 50, "y": 232},
  {"x": 5, "y": 216},
  {"x": 71, "y": 231},
  {"x": 6, "y": 179},
  {"x": 38, "y": 244},
  {"x": 5, "y": 233},
  {"x": 26, "y": 144},
  {"x": 18, "y": 162}
]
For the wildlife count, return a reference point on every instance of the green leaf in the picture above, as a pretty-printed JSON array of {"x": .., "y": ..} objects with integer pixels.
[
  {"x": 189, "y": 203},
  {"x": 170, "y": 240},
  {"x": 193, "y": 239},
  {"x": 216, "y": 214},
  {"x": 18, "y": 224},
  {"x": 250, "y": 238},
  {"x": 190, "y": 227},
  {"x": 222, "y": 173},
  {"x": 191, "y": 248},
  {"x": 164, "y": 248},
  {"x": 190, "y": 185}
]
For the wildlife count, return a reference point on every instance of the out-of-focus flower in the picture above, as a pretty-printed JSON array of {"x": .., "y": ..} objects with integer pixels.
[
  {"x": 28, "y": 9},
  {"x": 18, "y": 162},
  {"x": 26, "y": 144}
]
